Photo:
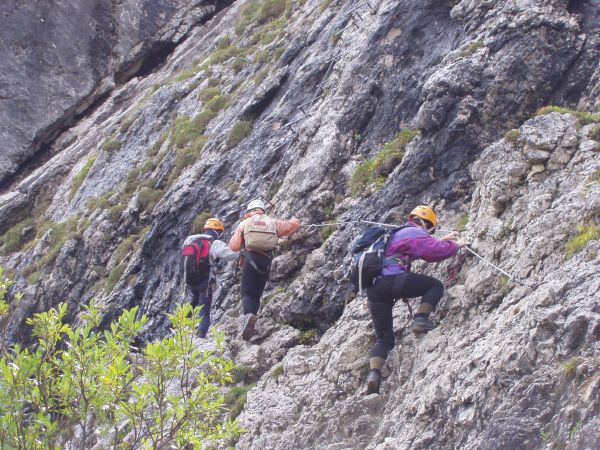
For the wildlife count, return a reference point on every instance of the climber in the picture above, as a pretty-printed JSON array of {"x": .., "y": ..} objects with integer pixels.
[
  {"x": 201, "y": 255},
  {"x": 411, "y": 242},
  {"x": 256, "y": 236}
]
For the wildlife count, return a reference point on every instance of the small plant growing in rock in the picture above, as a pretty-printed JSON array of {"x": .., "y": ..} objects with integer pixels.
[
  {"x": 200, "y": 220},
  {"x": 239, "y": 372},
  {"x": 260, "y": 76},
  {"x": 375, "y": 170},
  {"x": 595, "y": 133},
  {"x": 570, "y": 366},
  {"x": 463, "y": 221},
  {"x": 324, "y": 5},
  {"x": 208, "y": 93},
  {"x": 111, "y": 144},
  {"x": 578, "y": 242},
  {"x": 238, "y": 133},
  {"x": 306, "y": 336},
  {"x": 235, "y": 399},
  {"x": 232, "y": 186},
  {"x": 327, "y": 231},
  {"x": 512, "y": 136},
  {"x": 583, "y": 117},
  {"x": 13, "y": 239},
  {"x": 277, "y": 371},
  {"x": 127, "y": 122},
  {"x": 81, "y": 176},
  {"x": 471, "y": 48}
]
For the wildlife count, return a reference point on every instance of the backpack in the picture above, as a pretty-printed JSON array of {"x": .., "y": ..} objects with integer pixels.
[
  {"x": 368, "y": 260},
  {"x": 260, "y": 233},
  {"x": 196, "y": 262}
]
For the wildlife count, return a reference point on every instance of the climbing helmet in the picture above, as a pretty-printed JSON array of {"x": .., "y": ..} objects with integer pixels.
[
  {"x": 214, "y": 224},
  {"x": 425, "y": 213}
]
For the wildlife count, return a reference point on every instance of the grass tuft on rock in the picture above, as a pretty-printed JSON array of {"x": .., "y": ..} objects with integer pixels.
[
  {"x": 577, "y": 243},
  {"x": 583, "y": 117},
  {"x": 238, "y": 133},
  {"x": 81, "y": 176}
]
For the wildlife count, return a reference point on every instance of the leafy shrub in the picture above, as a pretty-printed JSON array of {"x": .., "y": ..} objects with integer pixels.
[
  {"x": 217, "y": 103},
  {"x": 187, "y": 73},
  {"x": 570, "y": 366},
  {"x": 114, "y": 276},
  {"x": 184, "y": 131},
  {"x": 259, "y": 12},
  {"x": 78, "y": 384},
  {"x": 224, "y": 42},
  {"x": 578, "y": 242},
  {"x": 376, "y": 169},
  {"x": 153, "y": 151},
  {"x": 260, "y": 76},
  {"x": 148, "y": 197},
  {"x": 277, "y": 371},
  {"x": 239, "y": 64},
  {"x": 238, "y": 132}
]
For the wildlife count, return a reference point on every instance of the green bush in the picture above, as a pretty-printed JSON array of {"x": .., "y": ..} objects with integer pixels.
[
  {"x": 79, "y": 384},
  {"x": 208, "y": 93},
  {"x": 235, "y": 399},
  {"x": 570, "y": 366},
  {"x": 583, "y": 117},
  {"x": 260, "y": 76},
  {"x": 12, "y": 240},
  {"x": 148, "y": 197},
  {"x": 512, "y": 136},
  {"x": 327, "y": 231},
  {"x": 306, "y": 336},
  {"x": 277, "y": 371},
  {"x": 232, "y": 186},
  {"x": 324, "y": 5},
  {"x": 595, "y": 133},
  {"x": 184, "y": 131},
  {"x": 111, "y": 144},
  {"x": 203, "y": 119},
  {"x": 238, "y": 133},
  {"x": 239, "y": 64},
  {"x": 217, "y": 103},
  {"x": 187, "y": 73},
  {"x": 153, "y": 151},
  {"x": 200, "y": 220},
  {"x": 578, "y": 242},
  {"x": 259, "y": 12},
  {"x": 376, "y": 169},
  {"x": 127, "y": 122},
  {"x": 224, "y": 42}
]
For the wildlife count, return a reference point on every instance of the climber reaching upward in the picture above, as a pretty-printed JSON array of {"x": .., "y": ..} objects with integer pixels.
[
  {"x": 411, "y": 242},
  {"x": 256, "y": 236}
]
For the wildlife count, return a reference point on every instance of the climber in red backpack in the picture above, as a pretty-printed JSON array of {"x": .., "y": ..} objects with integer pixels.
[
  {"x": 411, "y": 242},
  {"x": 256, "y": 236},
  {"x": 201, "y": 253}
]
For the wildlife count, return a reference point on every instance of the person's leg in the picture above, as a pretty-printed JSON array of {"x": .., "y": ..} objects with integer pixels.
[
  {"x": 431, "y": 290},
  {"x": 380, "y": 305},
  {"x": 255, "y": 273},
  {"x": 205, "y": 300},
  {"x": 194, "y": 294}
]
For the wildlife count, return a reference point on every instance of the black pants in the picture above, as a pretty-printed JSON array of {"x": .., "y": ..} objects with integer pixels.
[
  {"x": 385, "y": 292},
  {"x": 201, "y": 295},
  {"x": 255, "y": 273}
]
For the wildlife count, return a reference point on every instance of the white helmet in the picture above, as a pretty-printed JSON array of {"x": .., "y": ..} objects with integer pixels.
[{"x": 255, "y": 204}]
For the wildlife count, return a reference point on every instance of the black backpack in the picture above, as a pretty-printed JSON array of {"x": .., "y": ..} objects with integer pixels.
[
  {"x": 196, "y": 262},
  {"x": 368, "y": 260}
]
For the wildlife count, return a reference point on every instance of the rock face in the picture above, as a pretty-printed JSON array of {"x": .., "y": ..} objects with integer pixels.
[
  {"x": 65, "y": 56},
  {"x": 288, "y": 100}
]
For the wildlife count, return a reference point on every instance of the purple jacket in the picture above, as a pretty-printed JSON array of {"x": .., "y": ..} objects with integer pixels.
[{"x": 411, "y": 243}]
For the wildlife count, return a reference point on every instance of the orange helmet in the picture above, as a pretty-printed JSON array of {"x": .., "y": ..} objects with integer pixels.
[
  {"x": 214, "y": 224},
  {"x": 425, "y": 213}
]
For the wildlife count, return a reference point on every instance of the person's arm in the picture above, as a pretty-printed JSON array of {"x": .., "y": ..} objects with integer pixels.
[
  {"x": 431, "y": 249},
  {"x": 219, "y": 250},
  {"x": 237, "y": 240},
  {"x": 287, "y": 227}
]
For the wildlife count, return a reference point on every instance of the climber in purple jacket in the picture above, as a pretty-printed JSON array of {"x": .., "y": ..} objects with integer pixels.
[{"x": 412, "y": 242}]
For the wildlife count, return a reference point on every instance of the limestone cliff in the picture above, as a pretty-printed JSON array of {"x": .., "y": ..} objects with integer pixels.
[{"x": 339, "y": 111}]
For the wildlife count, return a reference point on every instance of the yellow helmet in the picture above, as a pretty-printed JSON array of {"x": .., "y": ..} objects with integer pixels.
[
  {"x": 214, "y": 224},
  {"x": 425, "y": 213}
]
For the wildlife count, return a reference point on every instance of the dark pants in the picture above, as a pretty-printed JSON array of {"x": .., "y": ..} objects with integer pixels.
[
  {"x": 255, "y": 273},
  {"x": 385, "y": 292},
  {"x": 201, "y": 295}
]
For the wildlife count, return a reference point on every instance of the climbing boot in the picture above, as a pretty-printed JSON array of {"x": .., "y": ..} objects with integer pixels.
[
  {"x": 373, "y": 381},
  {"x": 422, "y": 324},
  {"x": 248, "y": 326}
]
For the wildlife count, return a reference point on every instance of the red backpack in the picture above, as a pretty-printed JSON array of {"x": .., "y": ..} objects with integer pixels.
[{"x": 196, "y": 262}]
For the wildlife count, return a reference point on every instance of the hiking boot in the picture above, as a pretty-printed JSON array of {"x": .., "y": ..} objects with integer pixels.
[
  {"x": 373, "y": 381},
  {"x": 422, "y": 325},
  {"x": 248, "y": 326}
]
